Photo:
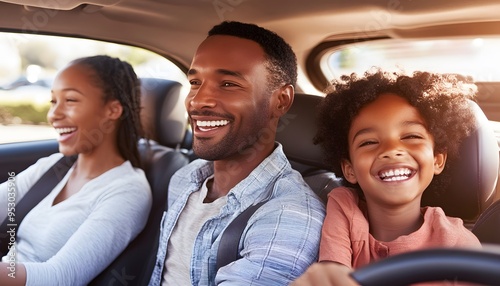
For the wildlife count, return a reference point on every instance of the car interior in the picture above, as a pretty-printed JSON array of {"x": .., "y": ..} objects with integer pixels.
[
  {"x": 477, "y": 164},
  {"x": 174, "y": 28}
]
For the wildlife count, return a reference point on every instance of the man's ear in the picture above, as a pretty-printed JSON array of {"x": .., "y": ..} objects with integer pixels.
[
  {"x": 115, "y": 109},
  {"x": 348, "y": 171},
  {"x": 439, "y": 162},
  {"x": 284, "y": 99}
]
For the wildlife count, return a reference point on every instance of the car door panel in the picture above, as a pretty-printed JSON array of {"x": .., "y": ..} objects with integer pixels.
[{"x": 15, "y": 157}]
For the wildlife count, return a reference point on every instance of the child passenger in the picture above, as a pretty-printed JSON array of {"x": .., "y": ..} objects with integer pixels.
[{"x": 390, "y": 136}]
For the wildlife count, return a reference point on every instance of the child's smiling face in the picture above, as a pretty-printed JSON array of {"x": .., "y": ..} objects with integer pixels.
[{"x": 391, "y": 152}]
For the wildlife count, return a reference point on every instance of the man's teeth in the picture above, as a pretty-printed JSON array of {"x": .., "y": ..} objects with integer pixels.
[
  {"x": 396, "y": 174},
  {"x": 65, "y": 130},
  {"x": 213, "y": 123}
]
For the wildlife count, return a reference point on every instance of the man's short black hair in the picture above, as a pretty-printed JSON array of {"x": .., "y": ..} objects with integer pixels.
[{"x": 282, "y": 60}]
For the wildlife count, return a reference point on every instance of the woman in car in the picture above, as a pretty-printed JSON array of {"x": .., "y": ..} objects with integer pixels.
[
  {"x": 103, "y": 201},
  {"x": 390, "y": 136}
]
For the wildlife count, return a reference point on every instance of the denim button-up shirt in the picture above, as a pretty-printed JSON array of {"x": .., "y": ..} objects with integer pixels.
[{"x": 280, "y": 240}]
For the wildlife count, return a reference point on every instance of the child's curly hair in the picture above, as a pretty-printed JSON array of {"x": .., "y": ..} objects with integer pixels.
[{"x": 442, "y": 100}]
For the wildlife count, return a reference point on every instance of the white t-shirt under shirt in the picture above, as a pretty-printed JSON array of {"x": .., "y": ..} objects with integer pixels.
[
  {"x": 180, "y": 245},
  {"x": 73, "y": 241}
]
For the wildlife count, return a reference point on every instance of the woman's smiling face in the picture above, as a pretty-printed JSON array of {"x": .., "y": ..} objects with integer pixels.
[
  {"x": 391, "y": 152},
  {"x": 78, "y": 111}
]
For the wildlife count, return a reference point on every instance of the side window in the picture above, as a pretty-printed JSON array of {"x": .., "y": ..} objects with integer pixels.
[{"x": 29, "y": 65}]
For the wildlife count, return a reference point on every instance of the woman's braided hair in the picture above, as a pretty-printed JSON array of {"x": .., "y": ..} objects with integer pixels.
[{"x": 119, "y": 82}]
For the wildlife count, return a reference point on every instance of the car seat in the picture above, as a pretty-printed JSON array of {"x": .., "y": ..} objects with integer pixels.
[
  {"x": 296, "y": 130},
  {"x": 163, "y": 114},
  {"x": 487, "y": 227},
  {"x": 473, "y": 176},
  {"x": 163, "y": 117}
]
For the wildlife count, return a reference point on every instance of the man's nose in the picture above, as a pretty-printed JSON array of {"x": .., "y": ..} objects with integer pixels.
[{"x": 203, "y": 97}]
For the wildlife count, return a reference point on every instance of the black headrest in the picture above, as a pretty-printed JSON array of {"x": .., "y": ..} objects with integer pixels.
[
  {"x": 474, "y": 174},
  {"x": 297, "y": 129},
  {"x": 163, "y": 115}
]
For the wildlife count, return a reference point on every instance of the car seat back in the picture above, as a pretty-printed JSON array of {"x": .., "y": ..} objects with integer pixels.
[
  {"x": 487, "y": 227},
  {"x": 473, "y": 176},
  {"x": 163, "y": 115},
  {"x": 296, "y": 131},
  {"x": 160, "y": 158}
]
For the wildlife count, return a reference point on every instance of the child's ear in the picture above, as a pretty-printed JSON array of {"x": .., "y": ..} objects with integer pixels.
[
  {"x": 348, "y": 171},
  {"x": 439, "y": 162}
]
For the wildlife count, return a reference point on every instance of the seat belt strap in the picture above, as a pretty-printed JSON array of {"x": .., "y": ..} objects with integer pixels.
[
  {"x": 36, "y": 193},
  {"x": 230, "y": 240}
]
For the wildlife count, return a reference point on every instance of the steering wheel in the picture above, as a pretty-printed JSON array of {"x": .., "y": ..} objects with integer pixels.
[{"x": 466, "y": 265}]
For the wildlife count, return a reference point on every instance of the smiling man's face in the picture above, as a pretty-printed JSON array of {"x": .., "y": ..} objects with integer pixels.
[{"x": 228, "y": 104}]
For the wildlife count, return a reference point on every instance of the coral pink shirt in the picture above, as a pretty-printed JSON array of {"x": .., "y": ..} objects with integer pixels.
[{"x": 346, "y": 238}]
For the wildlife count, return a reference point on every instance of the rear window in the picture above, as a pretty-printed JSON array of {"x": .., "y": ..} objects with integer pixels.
[{"x": 478, "y": 58}]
